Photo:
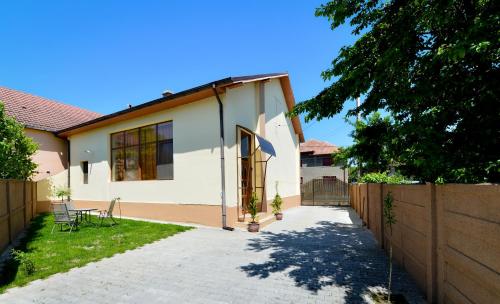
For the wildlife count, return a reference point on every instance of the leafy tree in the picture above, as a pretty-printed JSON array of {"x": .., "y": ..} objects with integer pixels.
[
  {"x": 372, "y": 148},
  {"x": 373, "y": 143},
  {"x": 435, "y": 66},
  {"x": 16, "y": 149}
]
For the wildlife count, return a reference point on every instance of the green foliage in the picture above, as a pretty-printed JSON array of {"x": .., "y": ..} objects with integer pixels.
[
  {"x": 62, "y": 191},
  {"x": 343, "y": 157},
  {"x": 57, "y": 252},
  {"x": 389, "y": 216},
  {"x": 434, "y": 66},
  {"x": 389, "y": 220},
  {"x": 276, "y": 204},
  {"x": 24, "y": 260},
  {"x": 372, "y": 148},
  {"x": 277, "y": 201},
  {"x": 439, "y": 181},
  {"x": 253, "y": 207},
  {"x": 16, "y": 149},
  {"x": 382, "y": 178}
]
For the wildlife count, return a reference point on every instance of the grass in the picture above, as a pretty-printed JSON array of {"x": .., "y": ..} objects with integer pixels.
[{"x": 61, "y": 251}]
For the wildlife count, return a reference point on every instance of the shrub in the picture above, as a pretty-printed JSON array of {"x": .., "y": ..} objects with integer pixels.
[
  {"x": 276, "y": 204},
  {"x": 252, "y": 207},
  {"x": 61, "y": 192},
  {"x": 383, "y": 178},
  {"x": 24, "y": 260}
]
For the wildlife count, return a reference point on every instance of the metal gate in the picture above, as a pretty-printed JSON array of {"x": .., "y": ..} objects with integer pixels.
[{"x": 325, "y": 192}]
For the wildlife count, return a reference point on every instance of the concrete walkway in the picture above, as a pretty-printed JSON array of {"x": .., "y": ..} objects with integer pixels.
[{"x": 315, "y": 255}]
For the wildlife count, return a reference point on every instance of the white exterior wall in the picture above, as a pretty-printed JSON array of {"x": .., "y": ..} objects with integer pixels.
[
  {"x": 239, "y": 110},
  {"x": 196, "y": 152},
  {"x": 285, "y": 167},
  {"x": 309, "y": 173},
  {"x": 196, "y": 159}
]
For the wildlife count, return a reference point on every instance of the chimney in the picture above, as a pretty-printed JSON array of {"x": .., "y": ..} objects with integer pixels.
[{"x": 167, "y": 93}]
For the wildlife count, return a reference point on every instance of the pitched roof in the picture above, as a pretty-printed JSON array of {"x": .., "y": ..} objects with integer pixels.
[
  {"x": 187, "y": 96},
  {"x": 41, "y": 113},
  {"x": 317, "y": 147}
]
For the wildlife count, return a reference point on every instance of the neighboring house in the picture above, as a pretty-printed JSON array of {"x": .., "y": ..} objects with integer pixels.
[
  {"x": 163, "y": 157},
  {"x": 316, "y": 162},
  {"x": 42, "y": 117}
]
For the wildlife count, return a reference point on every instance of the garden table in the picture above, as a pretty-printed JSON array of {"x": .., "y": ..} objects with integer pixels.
[{"x": 82, "y": 211}]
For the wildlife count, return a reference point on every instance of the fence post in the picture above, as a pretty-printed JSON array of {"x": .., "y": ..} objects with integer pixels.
[
  {"x": 382, "y": 224},
  {"x": 431, "y": 256},
  {"x": 368, "y": 206}
]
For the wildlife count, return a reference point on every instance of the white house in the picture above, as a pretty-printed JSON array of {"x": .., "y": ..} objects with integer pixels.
[{"x": 163, "y": 158}]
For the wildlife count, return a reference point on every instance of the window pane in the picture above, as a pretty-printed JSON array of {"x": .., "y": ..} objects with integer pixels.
[
  {"x": 132, "y": 169},
  {"x": 131, "y": 137},
  {"x": 85, "y": 167},
  {"x": 148, "y": 134},
  {"x": 165, "y": 131},
  {"x": 148, "y": 161},
  {"x": 165, "y": 168},
  {"x": 85, "y": 170},
  {"x": 327, "y": 161},
  {"x": 245, "y": 146},
  {"x": 118, "y": 163},
  {"x": 117, "y": 140}
]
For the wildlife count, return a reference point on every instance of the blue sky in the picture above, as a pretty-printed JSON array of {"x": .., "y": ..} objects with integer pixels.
[{"x": 102, "y": 55}]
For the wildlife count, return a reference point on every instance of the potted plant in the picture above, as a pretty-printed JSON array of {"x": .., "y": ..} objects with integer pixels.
[
  {"x": 61, "y": 192},
  {"x": 252, "y": 209},
  {"x": 276, "y": 205}
]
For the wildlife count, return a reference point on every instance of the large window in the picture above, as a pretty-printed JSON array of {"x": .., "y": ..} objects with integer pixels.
[{"x": 143, "y": 154}]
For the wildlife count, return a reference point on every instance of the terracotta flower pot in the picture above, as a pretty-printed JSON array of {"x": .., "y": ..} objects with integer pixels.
[
  {"x": 279, "y": 216},
  {"x": 253, "y": 227}
]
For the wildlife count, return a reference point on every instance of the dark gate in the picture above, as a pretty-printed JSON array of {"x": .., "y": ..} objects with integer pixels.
[{"x": 325, "y": 192}]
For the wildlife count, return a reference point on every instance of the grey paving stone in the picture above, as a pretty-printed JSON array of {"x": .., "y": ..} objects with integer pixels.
[{"x": 315, "y": 255}]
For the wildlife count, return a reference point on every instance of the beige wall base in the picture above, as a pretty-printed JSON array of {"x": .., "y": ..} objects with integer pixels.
[
  {"x": 209, "y": 215},
  {"x": 288, "y": 202}
]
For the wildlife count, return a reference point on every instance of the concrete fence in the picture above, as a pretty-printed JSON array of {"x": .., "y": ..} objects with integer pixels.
[
  {"x": 17, "y": 208},
  {"x": 446, "y": 236}
]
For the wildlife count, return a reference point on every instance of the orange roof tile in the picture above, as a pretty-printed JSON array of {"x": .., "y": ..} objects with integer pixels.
[
  {"x": 41, "y": 113},
  {"x": 317, "y": 147}
]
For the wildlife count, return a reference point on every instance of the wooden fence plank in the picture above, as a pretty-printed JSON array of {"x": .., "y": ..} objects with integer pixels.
[{"x": 16, "y": 209}]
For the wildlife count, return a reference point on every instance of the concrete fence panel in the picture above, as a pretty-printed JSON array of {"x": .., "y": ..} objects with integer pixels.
[
  {"x": 446, "y": 236},
  {"x": 468, "y": 243}
]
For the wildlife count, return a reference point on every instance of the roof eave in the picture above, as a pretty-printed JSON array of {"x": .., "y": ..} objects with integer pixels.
[{"x": 187, "y": 96}]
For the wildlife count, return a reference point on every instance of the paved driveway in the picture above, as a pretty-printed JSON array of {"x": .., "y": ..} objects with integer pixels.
[{"x": 315, "y": 255}]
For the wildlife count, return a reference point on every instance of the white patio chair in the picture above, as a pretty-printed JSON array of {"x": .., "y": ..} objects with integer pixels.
[
  {"x": 108, "y": 214},
  {"x": 62, "y": 216}
]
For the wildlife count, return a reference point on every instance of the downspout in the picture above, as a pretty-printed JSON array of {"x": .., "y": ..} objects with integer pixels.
[
  {"x": 68, "y": 162},
  {"x": 222, "y": 166}
]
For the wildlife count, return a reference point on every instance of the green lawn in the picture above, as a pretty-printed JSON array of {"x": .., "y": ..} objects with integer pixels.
[{"x": 61, "y": 251}]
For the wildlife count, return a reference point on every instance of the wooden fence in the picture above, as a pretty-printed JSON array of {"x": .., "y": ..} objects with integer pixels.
[
  {"x": 446, "y": 236},
  {"x": 17, "y": 208}
]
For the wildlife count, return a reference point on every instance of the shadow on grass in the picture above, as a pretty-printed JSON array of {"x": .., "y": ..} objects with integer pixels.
[
  {"x": 11, "y": 266},
  {"x": 327, "y": 254}
]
